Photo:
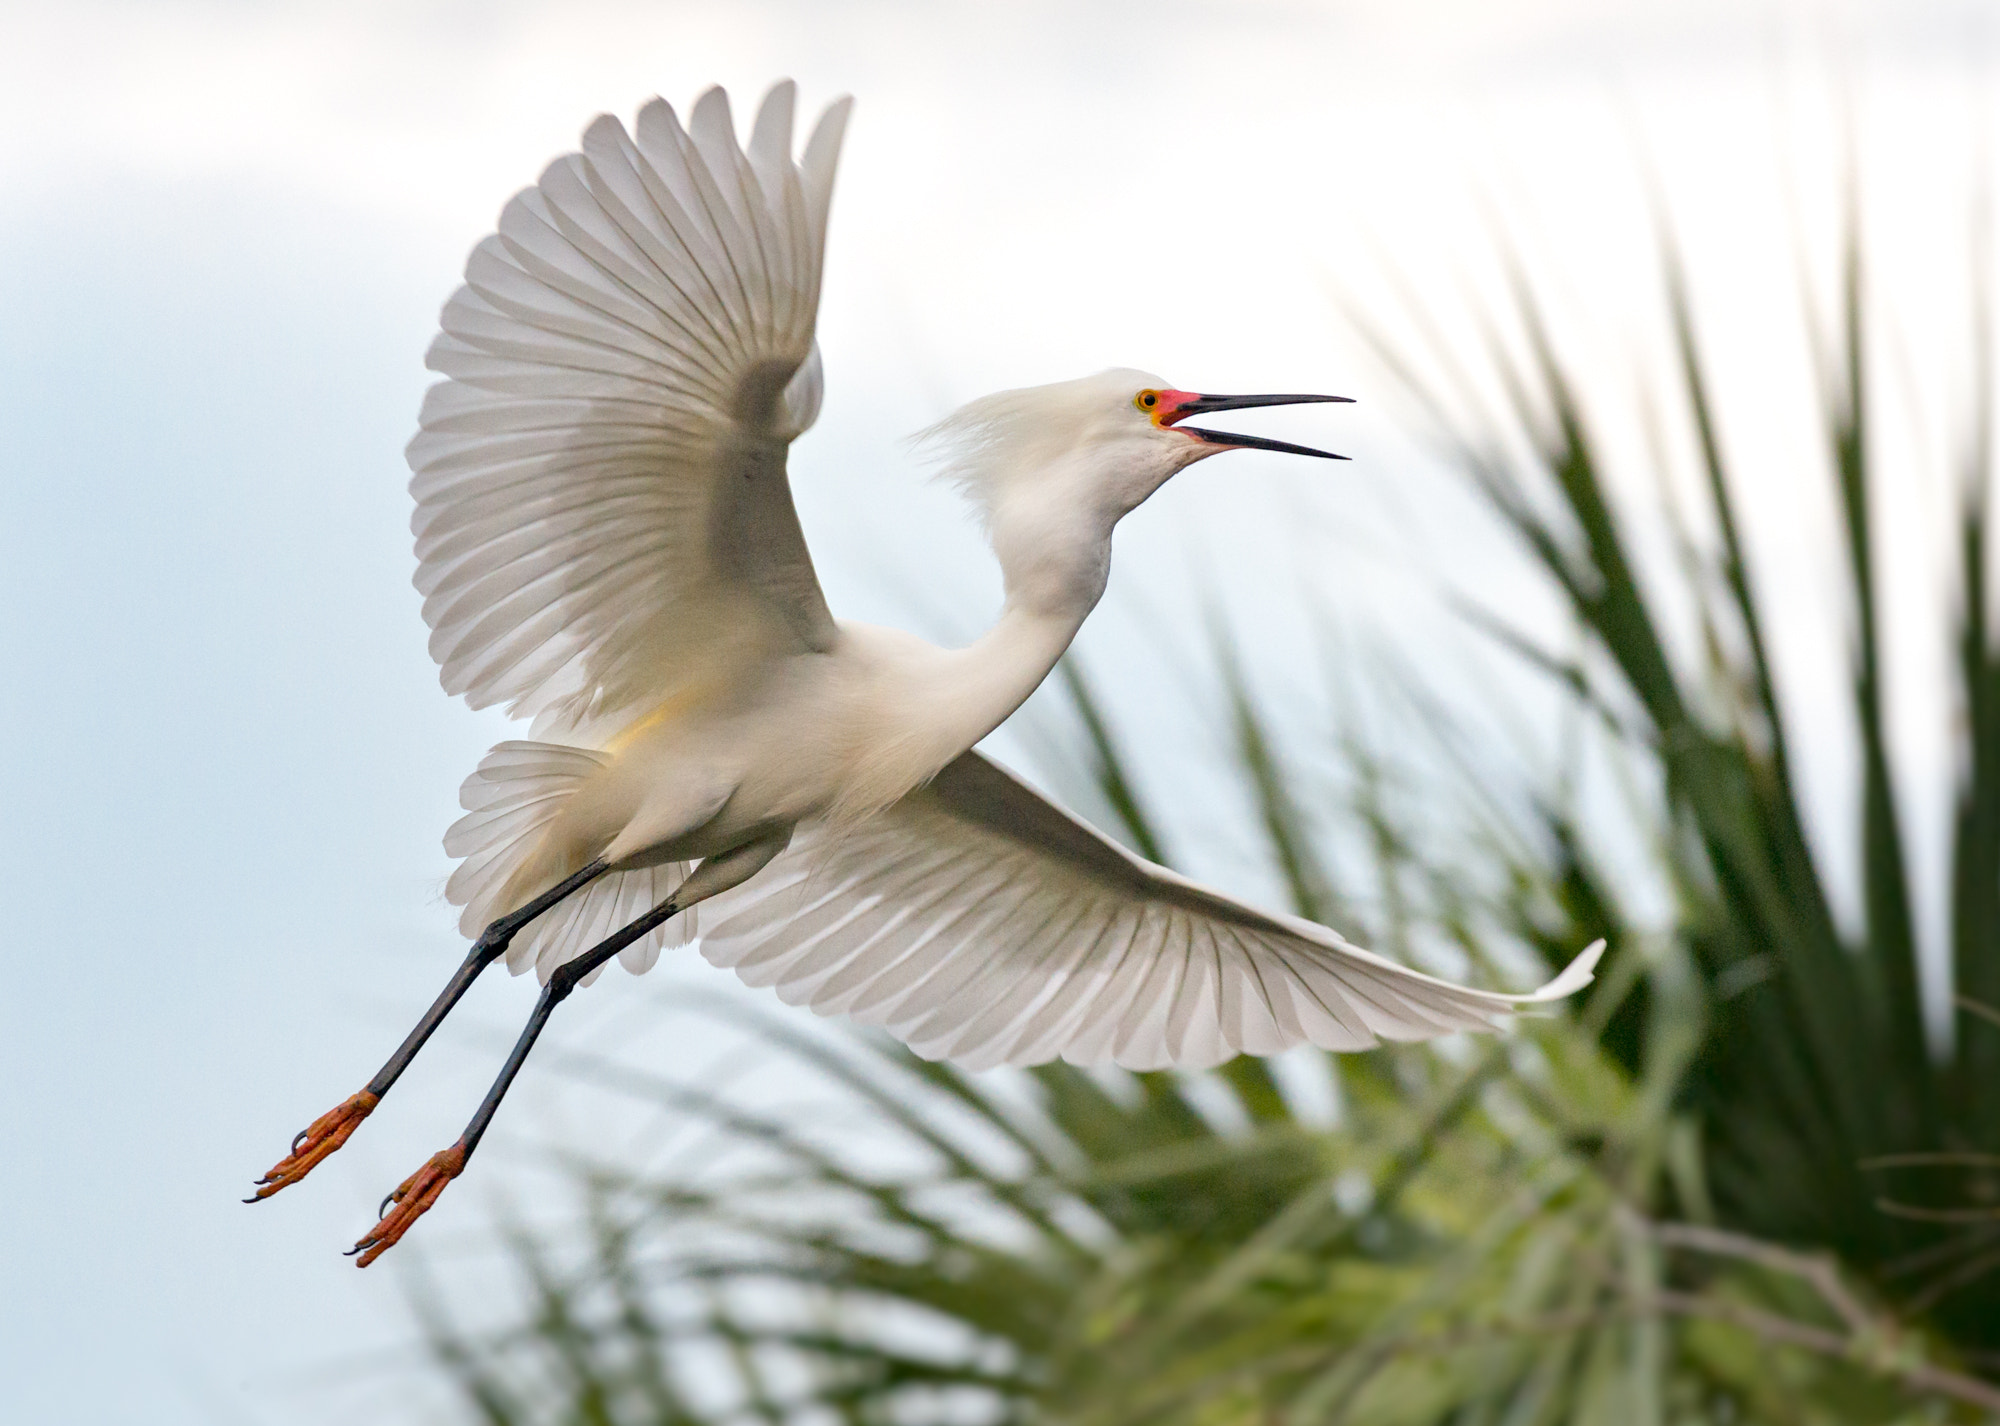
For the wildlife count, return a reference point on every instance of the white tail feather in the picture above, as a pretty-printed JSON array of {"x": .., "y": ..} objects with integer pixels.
[{"x": 509, "y": 801}]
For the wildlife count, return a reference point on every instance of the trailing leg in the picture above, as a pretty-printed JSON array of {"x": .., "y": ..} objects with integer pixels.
[
  {"x": 420, "y": 1190},
  {"x": 333, "y": 1128},
  {"x": 414, "y": 1196}
]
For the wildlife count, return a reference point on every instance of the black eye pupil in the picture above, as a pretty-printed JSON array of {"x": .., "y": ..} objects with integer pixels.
[{"x": 1151, "y": 399}]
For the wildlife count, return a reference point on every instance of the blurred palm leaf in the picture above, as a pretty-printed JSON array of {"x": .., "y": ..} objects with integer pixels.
[
  {"x": 1816, "y": 1065},
  {"x": 1111, "y": 1250}
]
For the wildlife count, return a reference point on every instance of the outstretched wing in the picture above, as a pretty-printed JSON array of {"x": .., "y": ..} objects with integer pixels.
[
  {"x": 977, "y": 921},
  {"x": 602, "y": 511}
]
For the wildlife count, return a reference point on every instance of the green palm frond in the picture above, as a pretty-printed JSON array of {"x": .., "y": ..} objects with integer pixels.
[
  {"x": 1467, "y": 1237},
  {"x": 1815, "y": 1061}
]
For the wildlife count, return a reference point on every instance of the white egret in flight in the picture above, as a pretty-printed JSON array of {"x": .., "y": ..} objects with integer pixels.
[{"x": 606, "y": 543}]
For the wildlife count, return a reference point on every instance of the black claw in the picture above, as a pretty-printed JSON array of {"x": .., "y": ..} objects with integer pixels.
[
  {"x": 297, "y": 1139},
  {"x": 382, "y": 1211}
]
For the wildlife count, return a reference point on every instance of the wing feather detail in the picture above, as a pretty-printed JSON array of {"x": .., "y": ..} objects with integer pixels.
[
  {"x": 977, "y": 921},
  {"x": 517, "y": 790},
  {"x": 602, "y": 505}
]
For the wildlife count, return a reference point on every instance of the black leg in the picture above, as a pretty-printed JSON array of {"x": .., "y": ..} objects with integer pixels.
[
  {"x": 332, "y": 1129},
  {"x": 414, "y": 1196},
  {"x": 491, "y": 945}
]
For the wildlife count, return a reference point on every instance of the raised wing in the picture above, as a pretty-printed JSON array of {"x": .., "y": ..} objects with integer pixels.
[
  {"x": 976, "y": 921},
  {"x": 602, "y": 512}
]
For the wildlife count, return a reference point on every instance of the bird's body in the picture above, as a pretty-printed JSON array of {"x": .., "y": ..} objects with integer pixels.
[
  {"x": 834, "y": 734},
  {"x": 607, "y": 544},
  {"x": 765, "y": 738}
]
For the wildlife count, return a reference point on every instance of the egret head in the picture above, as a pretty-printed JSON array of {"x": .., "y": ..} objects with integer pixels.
[{"x": 1100, "y": 444}]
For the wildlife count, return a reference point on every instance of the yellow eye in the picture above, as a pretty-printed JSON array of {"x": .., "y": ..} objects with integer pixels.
[{"x": 1146, "y": 400}]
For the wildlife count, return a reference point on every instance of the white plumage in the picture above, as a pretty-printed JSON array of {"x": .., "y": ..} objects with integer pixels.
[
  {"x": 637, "y": 317},
  {"x": 509, "y": 801},
  {"x": 977, "y": 922},
  {"x": 606, "y": 544},
  {"x": 599, "y": 357}
]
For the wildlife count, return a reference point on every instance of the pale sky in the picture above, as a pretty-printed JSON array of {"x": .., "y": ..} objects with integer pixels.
[{"x": 227, "y": 233}]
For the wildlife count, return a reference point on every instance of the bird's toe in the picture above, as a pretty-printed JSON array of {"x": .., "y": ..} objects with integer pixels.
[
  {"x": 411, "y": 1200},
  {"x": 314, "y": 1142}
]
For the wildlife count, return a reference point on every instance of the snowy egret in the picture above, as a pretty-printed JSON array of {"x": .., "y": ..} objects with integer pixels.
[{"x": 606, "y": 543}]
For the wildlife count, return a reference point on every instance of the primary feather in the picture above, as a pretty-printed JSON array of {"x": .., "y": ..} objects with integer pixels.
[
  {"x": 602, "y": 515},
  {"x": 976, "y": 921},
  {"x": 602, "y": 511}
]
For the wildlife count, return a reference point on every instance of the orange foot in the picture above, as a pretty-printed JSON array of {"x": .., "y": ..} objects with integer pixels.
[
  {"x": 412, "y": 1199},
  {"x": 315, "y": 1142}
]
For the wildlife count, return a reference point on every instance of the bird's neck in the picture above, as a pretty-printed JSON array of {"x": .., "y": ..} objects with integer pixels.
[
  {"x": 993, "y": 676},
  {"x": 1055, "y": 562},
  {"x": 1055, "y": 565},
  {"x": 936, "y": 703}
]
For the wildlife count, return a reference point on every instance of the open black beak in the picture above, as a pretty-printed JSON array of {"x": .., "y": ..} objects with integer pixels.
[{"x": 1204, "y": 404}]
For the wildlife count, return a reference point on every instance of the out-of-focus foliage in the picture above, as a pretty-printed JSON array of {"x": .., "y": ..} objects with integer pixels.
[
  {"x": 1821, "y": 1108},
  {"x": 1736, "y": 1184},
  {"x": 1473, "y": 1240}
]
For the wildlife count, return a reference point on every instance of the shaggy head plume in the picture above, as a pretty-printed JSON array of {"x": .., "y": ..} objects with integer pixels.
[{"x": 982, "y": 443}]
